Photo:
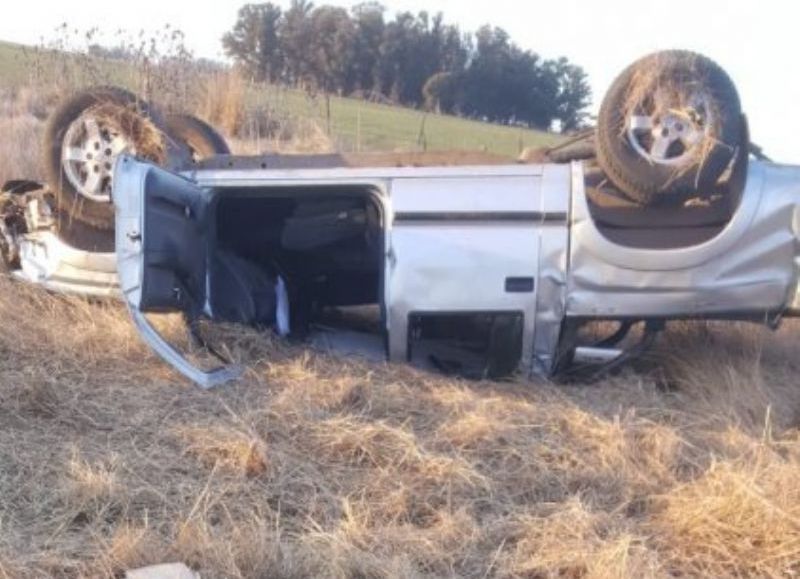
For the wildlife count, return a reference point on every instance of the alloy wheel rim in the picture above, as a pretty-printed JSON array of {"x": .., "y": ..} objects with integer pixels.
[
  {"x": 89, "y": 151},
  {"x": 671, "y": 136}
]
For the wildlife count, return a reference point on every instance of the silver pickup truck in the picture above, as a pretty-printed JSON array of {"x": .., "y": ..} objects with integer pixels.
[
  {"x": 507, "y": 263},
  {"x": 520, "y": 249}
]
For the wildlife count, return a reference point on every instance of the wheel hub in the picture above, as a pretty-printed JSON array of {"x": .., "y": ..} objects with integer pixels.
[
  {"x": 670, "y": 137},
  {"x": 90, "y": 149}
]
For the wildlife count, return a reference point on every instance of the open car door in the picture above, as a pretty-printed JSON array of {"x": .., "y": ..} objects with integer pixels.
[{"x": 162, "y": 247}]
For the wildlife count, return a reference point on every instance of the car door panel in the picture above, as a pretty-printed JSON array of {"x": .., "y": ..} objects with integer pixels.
[{"x": 162, "y": 242}]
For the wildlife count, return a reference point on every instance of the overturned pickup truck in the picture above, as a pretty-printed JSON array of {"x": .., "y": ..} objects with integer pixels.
[{"x": 662, "y": 213}]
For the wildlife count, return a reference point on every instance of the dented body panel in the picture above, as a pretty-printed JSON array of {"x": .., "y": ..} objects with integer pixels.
[
  {"x": 46, "y": 260},
  {"x": 749, "y": 269}
]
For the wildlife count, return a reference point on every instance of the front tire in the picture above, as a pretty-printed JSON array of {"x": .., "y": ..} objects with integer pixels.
[{"x": 82, "y": 141}]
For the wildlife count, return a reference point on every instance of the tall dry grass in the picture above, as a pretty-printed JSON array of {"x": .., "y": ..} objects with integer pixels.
[
  {"x": 21, "y": 128},
  {"x": 316, "y": 466},
  {"x": 251, "y": 125}
]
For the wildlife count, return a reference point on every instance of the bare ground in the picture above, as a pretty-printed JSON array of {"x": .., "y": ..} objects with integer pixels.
[{"x": 316, "y": 466}]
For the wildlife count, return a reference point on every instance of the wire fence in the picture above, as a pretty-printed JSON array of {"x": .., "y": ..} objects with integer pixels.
[{"x": 356, "y": 125}]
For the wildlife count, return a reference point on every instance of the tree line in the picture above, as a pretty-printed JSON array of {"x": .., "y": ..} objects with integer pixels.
[{"x": 413, "y": 59}]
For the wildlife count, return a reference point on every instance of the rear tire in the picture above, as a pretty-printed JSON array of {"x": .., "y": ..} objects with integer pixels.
[{"x": 669, "y": 127}]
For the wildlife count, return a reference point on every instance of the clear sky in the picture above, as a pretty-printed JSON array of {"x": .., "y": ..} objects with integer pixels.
[{"x": 758, "y": 43}]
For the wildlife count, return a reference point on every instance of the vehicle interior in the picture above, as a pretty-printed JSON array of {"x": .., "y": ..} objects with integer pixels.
[{"x": 327, "y": 245}]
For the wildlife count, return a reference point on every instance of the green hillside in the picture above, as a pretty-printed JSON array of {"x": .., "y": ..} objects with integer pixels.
[{"x": 385, "y": 127}]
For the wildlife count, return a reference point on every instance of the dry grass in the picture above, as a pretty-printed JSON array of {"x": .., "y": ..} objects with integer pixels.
[
  {"x": 252, "y": 127},
  {"x": 290, "y": 136},
  {"x": 147, "y": 139},
  {"x": 21, "y": 126},
  {"x": 317, "y": 466},
  {"x": 662, "y": 82},
  {"x": 221, "y": 102}
]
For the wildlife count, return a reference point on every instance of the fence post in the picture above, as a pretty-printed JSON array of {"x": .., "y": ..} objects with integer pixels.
[
  {"x": 328, "y": 112},
  {"x": 421, "y": 138},
  {"x": 358, "y": 128}
]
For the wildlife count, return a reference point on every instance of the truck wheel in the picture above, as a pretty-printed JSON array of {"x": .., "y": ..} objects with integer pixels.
[
  {"x": 198, "y": 139},
  {"x": 669, "y": 127},
  {"x": 82, "y": 141}
]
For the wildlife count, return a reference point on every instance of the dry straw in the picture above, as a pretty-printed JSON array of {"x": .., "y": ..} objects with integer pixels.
[{"x": 666, "y": 83}]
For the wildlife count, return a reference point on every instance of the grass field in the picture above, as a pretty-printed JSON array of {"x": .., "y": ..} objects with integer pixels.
[
  {"x": 370, "y": 127},
  {"x": 684, "y": 465},
  {"x": 352, "y": 124}
]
